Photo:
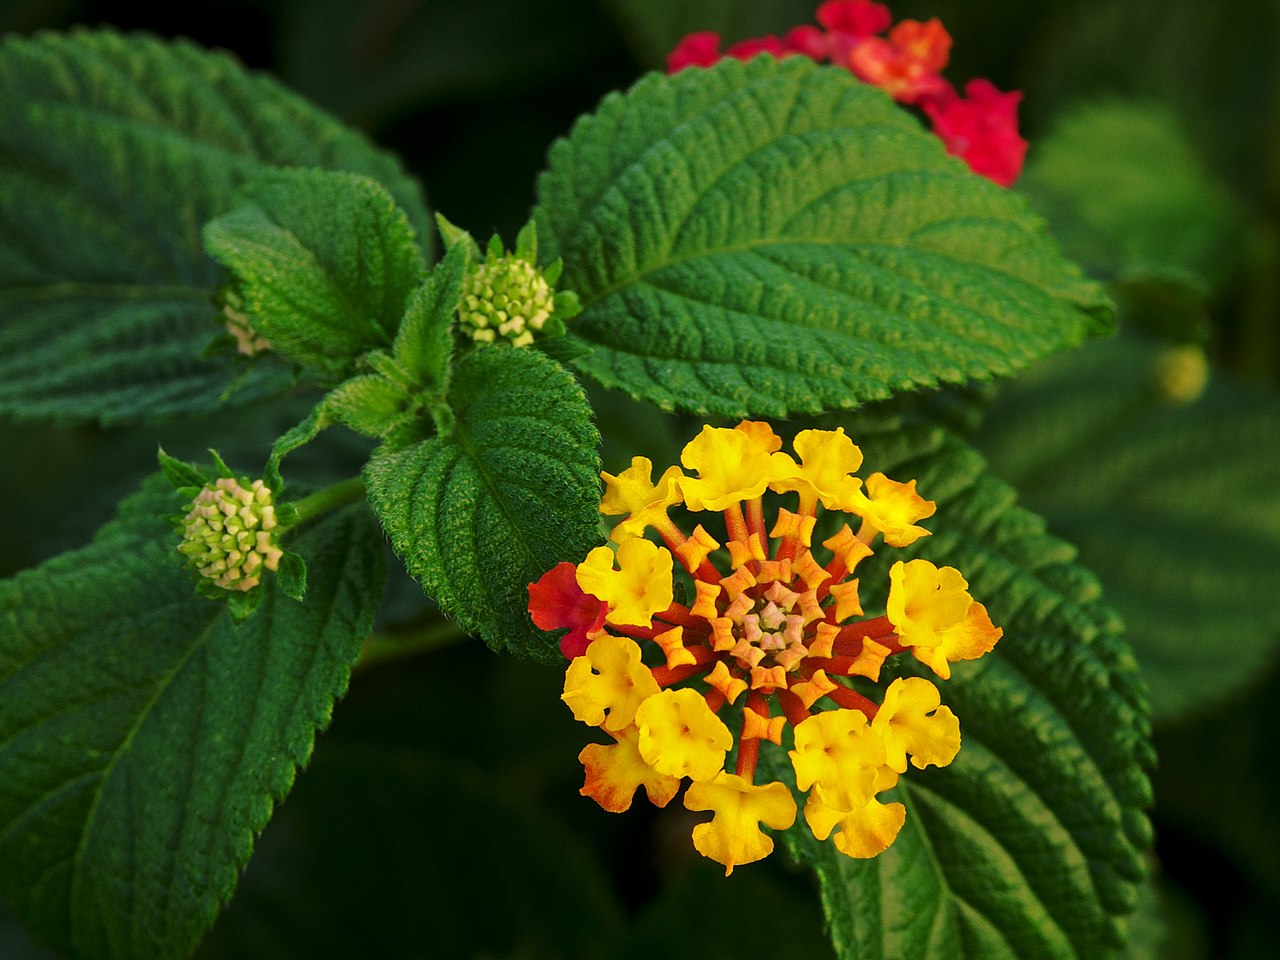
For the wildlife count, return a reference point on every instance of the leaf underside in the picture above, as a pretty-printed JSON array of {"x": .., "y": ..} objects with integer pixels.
[
  {"x": 776, "y": 237},
  {"x": 114, "y": 152},
  {"x": 145, "y": 737},
  {"x": 1029, "y": 844}
]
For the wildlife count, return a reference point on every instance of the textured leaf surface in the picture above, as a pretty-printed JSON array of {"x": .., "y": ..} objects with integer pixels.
[
  {"x": 325, "y": 261},
  {"x": 482, "y": 513},
  {"x": 777, "y": 237},
  {"x": 1029, "y": 844},
  {"x": 1176, "y": 507},
  {"x": 145, "y": 738},
  {"x": 114, "y": 152}
]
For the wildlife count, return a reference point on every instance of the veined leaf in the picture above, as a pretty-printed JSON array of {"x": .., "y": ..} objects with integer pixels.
[
  {"x": 1029, "y": 844},
  {"x": 145, "y": 737},
  {"x": 114, "y": 152},
  {"x": 325, "y": 262},
  {"x": 776, "y": 237},
  {"x": 480, "y": 514},
  {"x": 1175, "y": 506}
]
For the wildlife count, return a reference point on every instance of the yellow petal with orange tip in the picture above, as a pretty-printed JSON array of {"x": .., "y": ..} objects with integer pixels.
[{"x": 615, "y": 772}]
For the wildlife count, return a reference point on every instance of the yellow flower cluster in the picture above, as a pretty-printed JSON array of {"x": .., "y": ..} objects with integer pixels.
[{"x": 771, "y": 643}]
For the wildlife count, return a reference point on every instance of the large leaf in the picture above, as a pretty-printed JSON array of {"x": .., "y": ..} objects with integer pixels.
[
  {"x": 145, "y": 737},
  {"x": 777, "y": 237},
  {"x": 114, "y": 152},
  {"x": 1029, "y": 844},
  {"x": 1176, "y": 508},
  {"x": 325, "y": 262},
  {"x": 480, "y": 514}
]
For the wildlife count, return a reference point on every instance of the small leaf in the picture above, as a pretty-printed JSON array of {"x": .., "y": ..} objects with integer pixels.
[
  {"x": 424, "y": 345},
  {"x": 325, "y": 263},
  {"x": 370, "y": 404},
  {"x": 292, "y": 575},
  {"x": 479, "y": 515},
  {"x": 1176, "y": 507},
  {"x": 180, "y": 473},
  {"x": 114, "y": 151},
  {"x": 145, "y": 737},
  {"x": 1030, "y": 844},
  {"x": 776, "y": 237}
]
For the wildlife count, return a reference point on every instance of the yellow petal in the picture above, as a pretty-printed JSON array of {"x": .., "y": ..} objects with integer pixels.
[
  {"x": 893, "y": 508},
  {"x": 633, "y": 494},
  {"x": 732, "y": 466},
  {"x": 606, "y": 686},
  {"x": 733, "y": 836},
  {"x": 639, "y": 588},
  {"x": 837, "y": 748},
  {"x": 913, "y": 721},
  {"x": 827, "y": 458},
  {"x": 680, "y": 736},
  {"x": 865, "y": 831},
  {"x": 934, "y": 614}
]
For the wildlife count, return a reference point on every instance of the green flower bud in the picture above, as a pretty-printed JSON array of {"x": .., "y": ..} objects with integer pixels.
[
  {"x": 506, "y": 297},
  {"x": 229, "y": 533},
  {"x": 1181, "y": 374}
]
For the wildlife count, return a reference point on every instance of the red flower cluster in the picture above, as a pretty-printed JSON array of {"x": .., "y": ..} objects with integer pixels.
[{"x": 981, "y": 127}]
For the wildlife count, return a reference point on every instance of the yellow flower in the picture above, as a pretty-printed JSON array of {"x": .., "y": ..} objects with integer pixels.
[
  {"x": 639, "y": 588},
  {"x": 680, "y": 736},
  {"x": 936, "y": 617},
  {"x": 734, "y": 836},
  {"x": 614, "y": 773},
  {"x": 892, "y": 508},
  {"x": 827, "y": 458},
  {"x": 607, "y": 685},
  {"x": 733, "y": 465},
  {"x": 913, "y": 721},
  {"x": 632, "y": 494},
  {"x": 773, "y": 626}
]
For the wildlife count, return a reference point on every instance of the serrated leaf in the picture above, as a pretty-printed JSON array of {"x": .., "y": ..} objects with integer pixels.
[
  {"x": 145, "y": 737},
  {"x": 324, "y": 260},
  {"x": 1030, "y": 843},
  {"x": 114, "y": 152},
  {"x": 1176, "y": 507},
  {"x": 481, "y": 513},
  {"x": 776, "y": 237}
]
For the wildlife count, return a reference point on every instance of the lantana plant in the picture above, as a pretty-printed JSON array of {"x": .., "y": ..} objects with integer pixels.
[{"x": 925, "y": 701}]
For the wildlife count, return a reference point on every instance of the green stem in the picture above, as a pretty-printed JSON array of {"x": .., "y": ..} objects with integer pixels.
[
  {"x": 328, "y": 498},
  {"x": 388, "y": 647}
]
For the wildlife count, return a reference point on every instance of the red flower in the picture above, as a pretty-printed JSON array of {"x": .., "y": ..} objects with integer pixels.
[
  {"x": 908, "y": 64},
  {"x": 695, "y": 50},
  {"x": 556, "y": 601},
  {"x": 857, "y": 18},
  {"x": 746, "y": 49},
  {"x": 982, "y": 129}
]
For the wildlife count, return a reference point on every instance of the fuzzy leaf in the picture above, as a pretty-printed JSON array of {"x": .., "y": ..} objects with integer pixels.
[
  {"x": 145, "y": 737},
  {"x": 1175, "y": 506},
  {"x": 114, "y": 152},
  {"x": 1030, "y": 843},
  {"x": 481, "y": 513},
  {"x": 424, "y": 345},
  {"x": 776, "y": 237},
  {"x": 325, "y": 262}
]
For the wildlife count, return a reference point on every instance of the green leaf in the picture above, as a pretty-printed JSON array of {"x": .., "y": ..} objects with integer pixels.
[
  {"x": 483, "y": 512},
  {"x": 1146, "y": 205},
  {"x": 1029, "y": 844},
  {"x": 325, "y": 262},
  {"x": 145, "y": 737},
  {"x": 114, "y": 152},
  {"x": 424, "y": 345},
  {"x": 1175, "y": 507},
  {"x": 776, "y": 237}
]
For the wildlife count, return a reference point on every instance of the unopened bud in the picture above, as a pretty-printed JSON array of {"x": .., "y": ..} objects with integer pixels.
[{"x": 229, "y": 533}]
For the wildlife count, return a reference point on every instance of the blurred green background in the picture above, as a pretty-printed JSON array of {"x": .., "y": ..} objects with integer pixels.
[{"x": 440, "y": 816}]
